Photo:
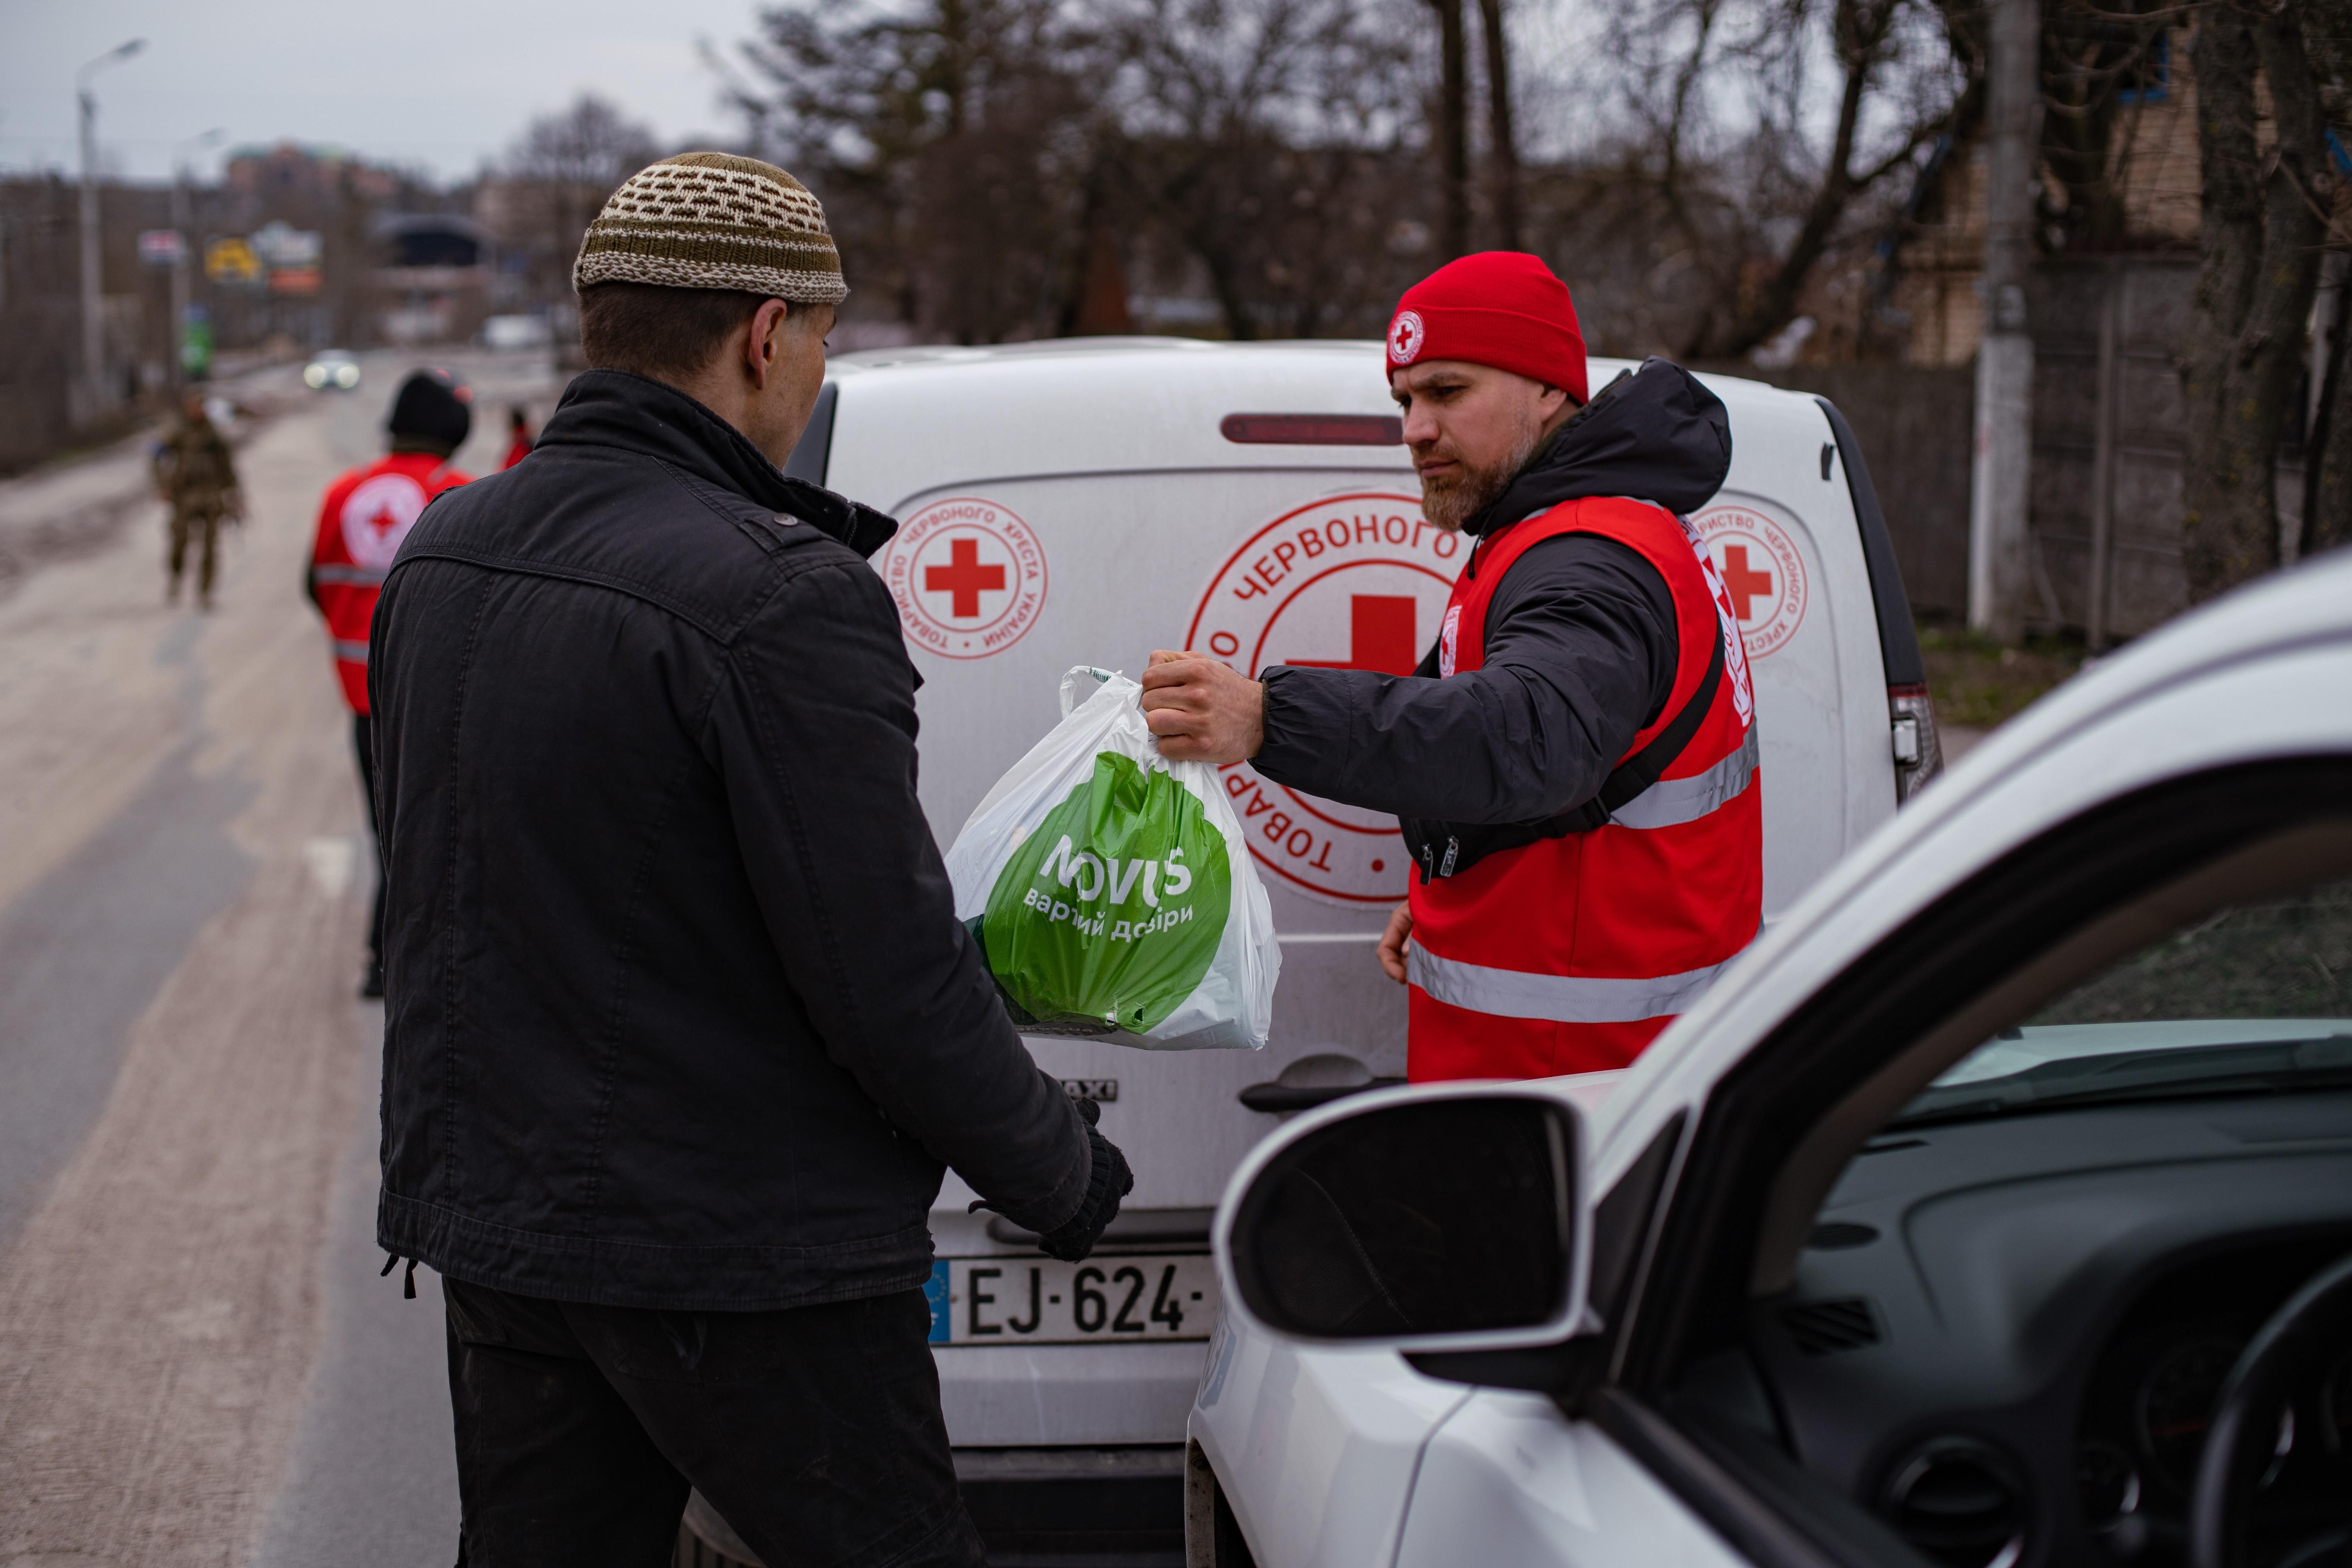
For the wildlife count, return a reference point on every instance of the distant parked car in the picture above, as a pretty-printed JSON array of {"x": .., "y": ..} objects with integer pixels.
[
  {"x": 331, "y": 370},
  {"x": 515, "y": 332}
]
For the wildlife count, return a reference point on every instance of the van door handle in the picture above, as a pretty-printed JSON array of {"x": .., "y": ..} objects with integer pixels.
[{"x": 1281, "y": 1096}]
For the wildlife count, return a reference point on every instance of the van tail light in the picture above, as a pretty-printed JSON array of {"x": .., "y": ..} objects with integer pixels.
[
  {"x": 1314, "y": 430},
  {"x": 1919, "y": 749}
]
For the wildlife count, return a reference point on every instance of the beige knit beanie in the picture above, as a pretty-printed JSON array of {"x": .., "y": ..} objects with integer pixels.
[{"x": 711, "y": 220}]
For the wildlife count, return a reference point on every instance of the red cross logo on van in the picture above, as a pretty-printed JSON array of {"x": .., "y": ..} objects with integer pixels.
[
  {"x": 1379, "y": 635},
  {"x": 1743, "y": 582},
  {"x": 964, "y": 577},
  {"x": 1354, "y": 582},
  {"x": 1763, "y": 573},
  {"x": 968, "y": 576}
]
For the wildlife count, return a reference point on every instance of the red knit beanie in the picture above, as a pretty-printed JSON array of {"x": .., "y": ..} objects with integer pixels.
[{"x": 1501, "y": 308}]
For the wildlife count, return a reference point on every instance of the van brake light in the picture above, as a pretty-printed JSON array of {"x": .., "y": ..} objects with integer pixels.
[
  {"x": 1918, "y": 749},
  {"x": 1314, "y": 430}
]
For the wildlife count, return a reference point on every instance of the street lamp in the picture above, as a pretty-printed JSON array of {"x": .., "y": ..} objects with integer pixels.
[
  {"x": 187, "y": 243},
  {"x": 93, "y": 330}
]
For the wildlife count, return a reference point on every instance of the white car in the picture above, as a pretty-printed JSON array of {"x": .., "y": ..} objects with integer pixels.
[
  {"x": 509, "y": 333},
  {"x": 331, "y": 370},
  {"x": 1082, "y": 503},
  {"x": 1994, "y": 1211}
]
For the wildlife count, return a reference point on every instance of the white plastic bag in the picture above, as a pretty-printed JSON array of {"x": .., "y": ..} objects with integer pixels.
[{"x": 1110, "y": 888}]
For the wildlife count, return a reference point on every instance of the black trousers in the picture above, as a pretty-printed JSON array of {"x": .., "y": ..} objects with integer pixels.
[
  {"x": 815, "y": 1432},
  {"x": 363, "y": 742}
]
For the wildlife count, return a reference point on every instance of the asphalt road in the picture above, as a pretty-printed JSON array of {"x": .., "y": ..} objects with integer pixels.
[{"x": 198, "y": 1363}]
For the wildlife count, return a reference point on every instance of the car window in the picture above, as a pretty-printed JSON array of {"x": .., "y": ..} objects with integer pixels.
[
  {"x": 2048, "y": 1262},
  {"x": 2253, "y": 998}
]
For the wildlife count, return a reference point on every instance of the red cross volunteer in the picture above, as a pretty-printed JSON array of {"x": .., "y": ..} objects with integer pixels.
[
  {"x": 365, "y": 517},
  {"x": 1574, "y": 762}
]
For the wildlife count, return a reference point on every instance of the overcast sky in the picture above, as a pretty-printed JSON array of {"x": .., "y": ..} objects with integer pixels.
[{"x": 441, "y": 83}]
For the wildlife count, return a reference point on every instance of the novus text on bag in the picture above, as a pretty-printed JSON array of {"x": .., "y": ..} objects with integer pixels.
[{"x": 1110, "y": 889}]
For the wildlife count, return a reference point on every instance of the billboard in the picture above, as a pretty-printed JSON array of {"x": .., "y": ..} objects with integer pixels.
[{"x": 230, "y": 260}]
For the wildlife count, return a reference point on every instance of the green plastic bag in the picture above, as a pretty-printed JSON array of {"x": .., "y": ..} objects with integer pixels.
[{"x": 1110, "y": 890}]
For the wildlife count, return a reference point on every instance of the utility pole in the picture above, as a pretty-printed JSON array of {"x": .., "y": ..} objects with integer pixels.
[
  {"x": 1997, "y": 566},
  {"x": 93, "y": 324},
  {"x": 182, "y": 224}
]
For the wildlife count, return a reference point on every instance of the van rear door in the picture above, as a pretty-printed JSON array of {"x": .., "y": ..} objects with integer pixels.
[
  {"x": 1066, "y": 505},
  {"x": 1784, "y": 536}
]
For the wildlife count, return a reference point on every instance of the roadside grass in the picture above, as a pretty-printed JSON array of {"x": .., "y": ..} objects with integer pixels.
[{"x": 1978, "y": 682}]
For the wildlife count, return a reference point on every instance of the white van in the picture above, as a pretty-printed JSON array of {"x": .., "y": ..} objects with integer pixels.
[{"x": 1086, "y": 502}]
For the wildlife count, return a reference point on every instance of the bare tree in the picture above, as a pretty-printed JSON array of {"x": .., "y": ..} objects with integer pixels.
[
  {"x": 2263, "y": 217},
  {"x": 2327, "y": 455},
  {"x": 952, "y": 141},
  {"x": 1757, "y": 194},
  {"x": 1502, "y": 143},
  {"x": 2099, "y": 59},
  {"x": 1273, "y": 139},
  {"x": 557, "y": 176},
  {"x": 1452, "y": 125}
]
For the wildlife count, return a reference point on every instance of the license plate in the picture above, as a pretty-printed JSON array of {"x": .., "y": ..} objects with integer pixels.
[{"x": 1103, "y": 1301}]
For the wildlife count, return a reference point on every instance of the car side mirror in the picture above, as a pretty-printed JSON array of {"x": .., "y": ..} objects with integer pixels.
[{"x": 1436, "y": 1218}]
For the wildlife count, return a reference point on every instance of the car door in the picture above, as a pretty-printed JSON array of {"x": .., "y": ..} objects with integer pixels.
[
  {"x": 1781, "y": 1127},
  {"x": 2203, "y": 769},
  {"x": 1732, "y": 1193}
]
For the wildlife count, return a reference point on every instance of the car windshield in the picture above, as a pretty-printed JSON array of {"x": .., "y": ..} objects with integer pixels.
[{"x": 2255, "y": 999}]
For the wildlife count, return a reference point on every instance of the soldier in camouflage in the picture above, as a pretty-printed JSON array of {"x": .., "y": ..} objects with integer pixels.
[{"x": 195, "y": 473}]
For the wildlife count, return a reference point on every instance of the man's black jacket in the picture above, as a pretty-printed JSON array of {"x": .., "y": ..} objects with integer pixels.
[
  {"x": 679, "y": 1012},
  {"x": 1581, "y": 646}
]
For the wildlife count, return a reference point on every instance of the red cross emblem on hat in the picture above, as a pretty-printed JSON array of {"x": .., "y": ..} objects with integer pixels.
[{"x": 1405, "y": 334}]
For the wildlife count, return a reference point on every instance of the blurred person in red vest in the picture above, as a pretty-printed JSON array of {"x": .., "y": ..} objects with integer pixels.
[
  {"x": 366, "y": 515},
  {"x": 1574, "y": 762},
  {"x": 519, "y": 441}
]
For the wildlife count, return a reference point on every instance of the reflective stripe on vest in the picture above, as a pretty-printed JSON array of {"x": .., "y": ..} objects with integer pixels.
[
  {"x": 349, "y": 576},
  {"x": 354, "y": 651},
  {"x": 1671, "y": 801},
  {"x": 1559, "y": 998}
]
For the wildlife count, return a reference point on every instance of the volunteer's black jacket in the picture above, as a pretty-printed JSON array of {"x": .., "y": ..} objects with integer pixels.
[
  {"x": 678, "y": 1014},
  {"x": 1579, "y": 647}
]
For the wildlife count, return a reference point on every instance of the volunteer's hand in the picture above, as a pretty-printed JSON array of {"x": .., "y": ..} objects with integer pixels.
[
  {"x": 1392, "y": 948},
  {"x": 1203, "y": 710},
  {"x": 1111, "y": 1181}
]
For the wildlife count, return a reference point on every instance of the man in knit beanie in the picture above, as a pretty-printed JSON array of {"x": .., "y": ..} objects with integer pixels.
[
  {"x": 681, "y": 1031},
  {"x": 1574, "y": 762}
]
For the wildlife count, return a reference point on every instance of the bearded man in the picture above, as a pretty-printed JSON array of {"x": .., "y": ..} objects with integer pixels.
[{"x": 1574, "y": 762}]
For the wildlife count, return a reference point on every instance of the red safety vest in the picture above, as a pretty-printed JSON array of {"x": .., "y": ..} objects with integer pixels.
[
  {"x": 1571, "y": 955},
  {"x": 365, "y": 516}
]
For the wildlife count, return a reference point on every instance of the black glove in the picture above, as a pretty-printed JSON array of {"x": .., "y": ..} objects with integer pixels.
[{"x": 1110, "y": 1181}]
